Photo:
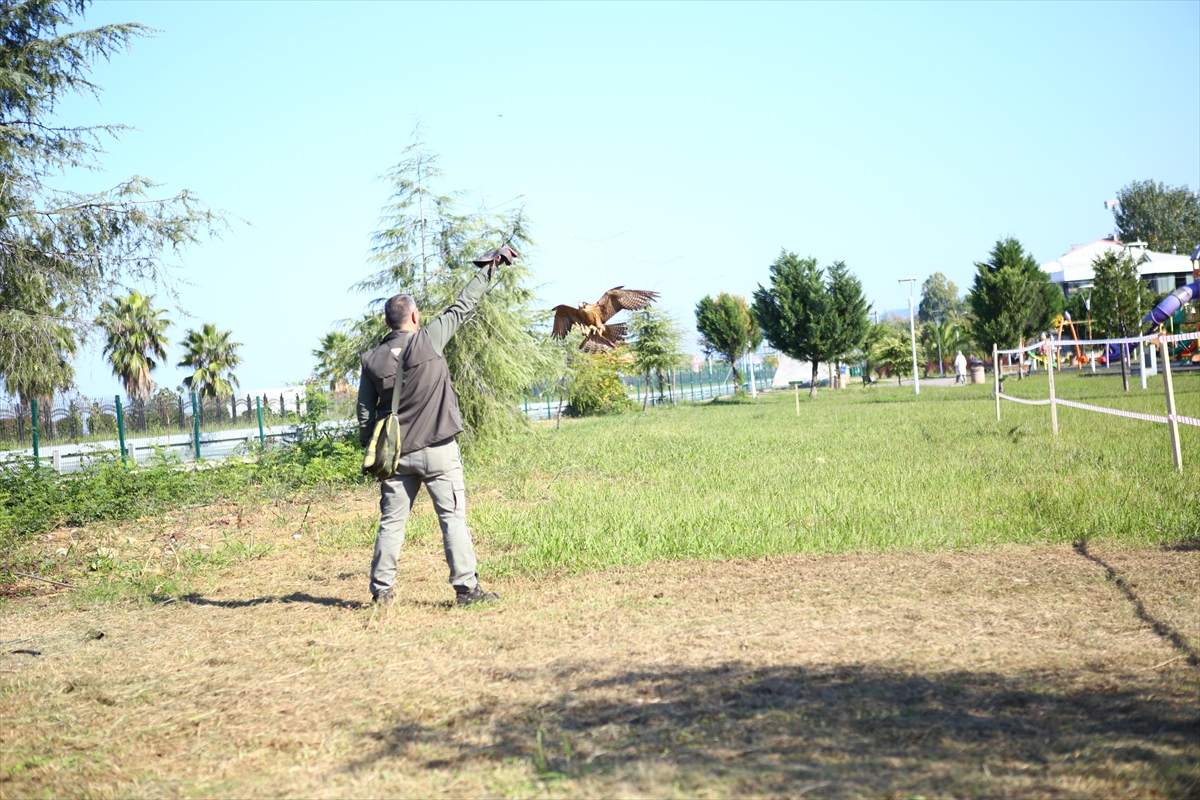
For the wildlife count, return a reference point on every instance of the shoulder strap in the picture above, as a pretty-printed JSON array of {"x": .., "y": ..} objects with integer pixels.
[{"x": 400, "y": 374}]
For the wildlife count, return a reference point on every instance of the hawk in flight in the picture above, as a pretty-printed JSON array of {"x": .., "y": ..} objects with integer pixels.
[{"x": 592, "y": 318}]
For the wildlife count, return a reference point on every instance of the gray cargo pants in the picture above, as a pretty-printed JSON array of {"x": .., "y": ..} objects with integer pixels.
[{"x": 440, "y": 469}]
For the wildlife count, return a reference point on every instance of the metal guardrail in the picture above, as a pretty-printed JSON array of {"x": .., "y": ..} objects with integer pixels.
[
  {"x": 213, "y": 445},
  {"x": 547, "y": 405}
]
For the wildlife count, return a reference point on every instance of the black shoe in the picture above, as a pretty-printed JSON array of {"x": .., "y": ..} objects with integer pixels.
[
  {"x": 384, "y": 599},
  {"x": 473, "y": 596}
]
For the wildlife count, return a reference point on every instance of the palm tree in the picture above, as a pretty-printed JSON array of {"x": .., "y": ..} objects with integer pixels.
[
  {"x": 136, "y": 338},
  {"x": 953, "y": 335},
  {"x": 331, "y": 359},
  {"x": 212, "y": 357}
]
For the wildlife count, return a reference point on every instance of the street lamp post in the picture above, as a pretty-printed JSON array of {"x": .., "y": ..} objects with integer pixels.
[{"x": 912, "y": 332}]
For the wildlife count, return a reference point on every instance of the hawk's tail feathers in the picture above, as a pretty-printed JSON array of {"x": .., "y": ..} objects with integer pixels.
[{"x": 596, "y": 344}]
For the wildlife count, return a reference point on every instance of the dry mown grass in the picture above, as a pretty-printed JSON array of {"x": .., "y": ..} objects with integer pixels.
[{"x": 1018, "y": 670}]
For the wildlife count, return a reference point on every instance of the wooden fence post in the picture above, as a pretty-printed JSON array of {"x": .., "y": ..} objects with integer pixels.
[{"x": 1050, "y": 354}]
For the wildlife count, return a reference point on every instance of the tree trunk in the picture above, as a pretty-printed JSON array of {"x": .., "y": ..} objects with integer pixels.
[
  {"x": 737, "y": 377},
  {"x": 812, "y": 385},
  {"x": 646, "y": 399}
]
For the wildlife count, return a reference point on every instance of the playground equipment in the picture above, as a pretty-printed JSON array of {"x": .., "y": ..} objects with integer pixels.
[
  {"x": 1044, "y": 348},
  {"x": 1064, "y": 321},
  {"x": 1172, "y": 303},
  {"x": 1170, "y": 313}
]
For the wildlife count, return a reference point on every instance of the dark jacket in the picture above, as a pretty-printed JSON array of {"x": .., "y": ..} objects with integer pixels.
[{"x": 428, "y": 406}]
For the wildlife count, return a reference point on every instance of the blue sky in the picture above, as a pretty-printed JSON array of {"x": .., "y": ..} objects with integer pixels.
[{"x": 904, "y": 139}]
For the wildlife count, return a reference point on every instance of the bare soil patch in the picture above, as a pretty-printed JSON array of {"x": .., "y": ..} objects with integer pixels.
[{"x": 1022, "y": 671}]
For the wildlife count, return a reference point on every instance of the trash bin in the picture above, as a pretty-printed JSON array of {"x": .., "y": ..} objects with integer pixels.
[{"x": 977, "y": 373}]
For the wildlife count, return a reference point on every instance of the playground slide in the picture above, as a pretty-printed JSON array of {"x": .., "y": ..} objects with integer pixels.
[{"x": 1170, "y": 304}]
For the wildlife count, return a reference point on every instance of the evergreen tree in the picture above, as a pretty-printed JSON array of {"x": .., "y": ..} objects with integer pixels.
[
  {"x": 424, "y": 248},
  {"x": 728, "y": 329},
  {"x": 1120, "y": 298},
  {"x": 848, "y": 313},
  {"x": 795, "y": 313},
  {"x": 1012, "y": 298},
  {"x": 656, "y": 341},
  {"x": 212, "y": 357},
  {"x": 63, "y": 252},
  {"x": 135, "y": 337}
]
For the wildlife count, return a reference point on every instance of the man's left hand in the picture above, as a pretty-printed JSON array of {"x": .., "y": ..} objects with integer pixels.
[{"x": 501, "y": 255}]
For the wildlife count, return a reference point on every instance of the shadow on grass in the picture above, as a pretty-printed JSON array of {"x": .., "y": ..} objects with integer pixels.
[
  {"x": 1172, "y": 636},
  {"x": 846, "y": 732},
  {"x": 294, "y": 597}
]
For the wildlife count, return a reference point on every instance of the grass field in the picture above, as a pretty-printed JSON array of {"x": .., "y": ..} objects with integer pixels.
[
  {"x": 884, "y": 596},
  {"x": 858, "y": 470}
]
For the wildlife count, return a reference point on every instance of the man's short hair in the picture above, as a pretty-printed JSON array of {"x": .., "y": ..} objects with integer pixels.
[{"x": 398, "y": 309}]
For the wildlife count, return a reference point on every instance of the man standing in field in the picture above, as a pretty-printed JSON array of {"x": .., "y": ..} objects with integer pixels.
[
  {"x": 429, "y": 420},
  {"x": 960, "y": 368}
]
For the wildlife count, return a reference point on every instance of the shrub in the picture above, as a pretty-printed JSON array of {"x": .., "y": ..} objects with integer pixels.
[
  {"x": 34, "y": 498},
  {"x": 595, "y": 384}
]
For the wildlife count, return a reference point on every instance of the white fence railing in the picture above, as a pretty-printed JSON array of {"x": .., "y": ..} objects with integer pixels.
[{"x": 1049, "y": 347}]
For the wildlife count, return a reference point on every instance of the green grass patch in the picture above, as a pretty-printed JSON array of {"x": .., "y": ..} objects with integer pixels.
[{"x": 859, "y": 469}]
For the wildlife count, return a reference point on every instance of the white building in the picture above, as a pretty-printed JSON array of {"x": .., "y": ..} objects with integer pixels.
[
  {"x": 790, "y": 371},
  {"x": 1163, "y": 272}
]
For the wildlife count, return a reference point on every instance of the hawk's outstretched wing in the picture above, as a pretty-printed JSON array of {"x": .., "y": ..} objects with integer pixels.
[
  {"x": 564, "y": 318},
  {"x": 621, "y": 299}
]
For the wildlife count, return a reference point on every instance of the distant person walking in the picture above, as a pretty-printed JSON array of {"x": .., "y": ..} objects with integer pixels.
[
  {"x": 960, "y": 368},
  {"x": 429, "y": 420}
]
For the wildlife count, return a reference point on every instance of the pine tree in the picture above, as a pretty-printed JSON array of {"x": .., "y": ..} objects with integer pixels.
[
  {"x": 656, "y": 341},
  {"x": 424, "y": 248},
  {"x": 63, "y": 252},
  {"x": 1120, "y": 298},
  {"x": 1012, "y": 298},
  {"x": 795, "y": 313},
  {"x": 848, "y": 311}
]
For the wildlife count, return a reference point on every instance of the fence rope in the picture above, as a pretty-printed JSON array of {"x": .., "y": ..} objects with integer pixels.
[
  {"x": 1045, "y": 402},
  {"x": 1026, "y": 349},
  {"x": 1150, "y": 338},
  {"x": 1116, "y": 412}
]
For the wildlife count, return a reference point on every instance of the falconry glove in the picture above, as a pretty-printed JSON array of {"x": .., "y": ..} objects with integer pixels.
[{"x": 501, "y": 255}]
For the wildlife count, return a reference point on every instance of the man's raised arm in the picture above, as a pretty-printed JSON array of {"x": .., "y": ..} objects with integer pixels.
[{"x": 445, "y": 326}]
